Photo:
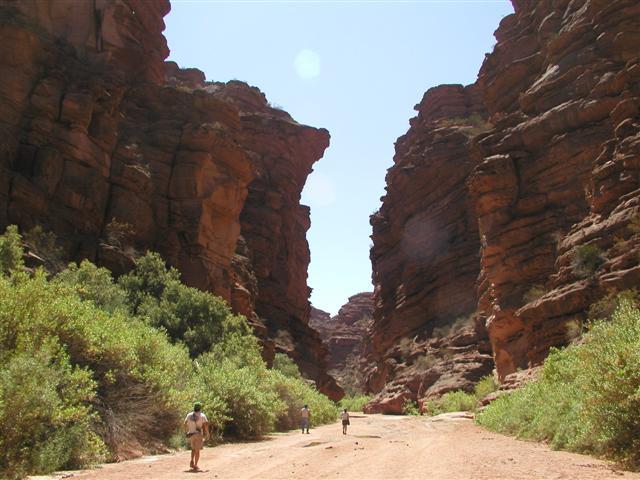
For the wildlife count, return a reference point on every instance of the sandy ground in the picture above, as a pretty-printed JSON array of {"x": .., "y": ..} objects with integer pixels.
[{"x": 376, "y": 447}]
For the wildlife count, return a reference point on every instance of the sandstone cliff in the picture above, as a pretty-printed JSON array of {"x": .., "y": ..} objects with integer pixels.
[
  {"x": 425, "y": 258},
  {"x": 556, "y": 187},
  {"x": 117, "y": 152},
  {"x": 548, "y": 194},
  {"x": 345, "y": 335}
]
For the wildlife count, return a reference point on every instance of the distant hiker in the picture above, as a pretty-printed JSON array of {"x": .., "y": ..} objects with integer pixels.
[
  {"x": 196, "y": 427},
  {"x": 344, "y": 416},
  {"x": 305, "y": 416}
]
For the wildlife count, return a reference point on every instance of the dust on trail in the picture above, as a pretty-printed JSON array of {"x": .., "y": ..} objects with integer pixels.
[{"x": 377, "y": 447}]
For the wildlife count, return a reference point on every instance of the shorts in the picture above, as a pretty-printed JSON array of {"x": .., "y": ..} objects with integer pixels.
[{"x": 196, "y": 441}]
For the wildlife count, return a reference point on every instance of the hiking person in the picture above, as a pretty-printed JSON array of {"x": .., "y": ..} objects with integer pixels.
[
  {"x": 305, "y": 416},
  {"x": 344, "y": 416},
  {"x": 196, "y": 427}
]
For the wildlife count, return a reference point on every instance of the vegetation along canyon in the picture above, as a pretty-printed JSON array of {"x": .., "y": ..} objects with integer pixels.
[{"x": 154, "y": 247}]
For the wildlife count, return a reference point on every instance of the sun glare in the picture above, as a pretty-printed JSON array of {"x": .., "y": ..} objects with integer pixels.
[{"x": 307, "y": 64}]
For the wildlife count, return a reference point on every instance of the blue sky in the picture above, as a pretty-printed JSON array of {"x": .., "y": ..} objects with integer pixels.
[{"x": 356, "y": 68}]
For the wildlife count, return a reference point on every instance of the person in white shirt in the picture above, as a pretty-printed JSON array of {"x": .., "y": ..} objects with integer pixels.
[
  {"x": 305, "y": 416},
  {"x": 196, "y": 427},
  {"x": 344, "y": 416}
]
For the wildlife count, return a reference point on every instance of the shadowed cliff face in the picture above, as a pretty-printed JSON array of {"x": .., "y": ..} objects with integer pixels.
[
  {"x": 118, "y": 152},
  {"x": 548, "y": 195}
]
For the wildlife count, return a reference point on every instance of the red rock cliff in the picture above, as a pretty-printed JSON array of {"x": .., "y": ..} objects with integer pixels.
[
  {"x": 549, "y": 194},
  {"x": 558, "y": 177},
  {"x": 118, "y": 152},
  {"x": 345, "y": 335},
  {"x": 425, "y": 258}
]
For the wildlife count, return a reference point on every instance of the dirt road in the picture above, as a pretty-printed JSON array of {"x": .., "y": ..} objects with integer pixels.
[{"x": 377, "y": 447}]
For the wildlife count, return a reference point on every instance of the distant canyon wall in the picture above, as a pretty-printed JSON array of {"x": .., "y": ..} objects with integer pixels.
[
  {"x": 117, "y": 151},
  {"x": 345, "y": 335},
  {"x": 513, "y": 203}
]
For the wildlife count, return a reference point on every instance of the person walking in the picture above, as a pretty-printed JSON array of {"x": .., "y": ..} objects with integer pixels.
[
  {"x": 344, "y": 416},
  {"x": 305, "y": 417},
  {"x": 196, "y": 427}
]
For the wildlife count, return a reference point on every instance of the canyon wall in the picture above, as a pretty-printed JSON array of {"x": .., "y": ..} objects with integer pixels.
[
  {"x": 344, "y": 335},
  {"x": 425, "y": 260},
  {"x": 117, "y": 152},
  {"x": 546, "y": 189}
]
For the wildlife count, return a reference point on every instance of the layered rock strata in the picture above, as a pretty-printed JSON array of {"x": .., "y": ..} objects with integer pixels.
[
  {"x": 556, "y": 190},
  {"x": 345, "y": 335},
  {"x": 425, "y": 258},
  {"x": 552, "y": 189},
  {"x": 118, "y": 152}
]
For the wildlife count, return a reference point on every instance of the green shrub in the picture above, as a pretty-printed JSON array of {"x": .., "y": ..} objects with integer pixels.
[
  {"x": 485, "y": 386},
  {"x": 45, "y": 414},
  {"x": 94, "y": 284},
  {"x": 149, "y": 278},
  {"x": 604, "y": 308},
  {"x": 296, "y": 392},
  {"x": 88, "y": 372},
  {"x": 45, "y": 245},
  {"x": 410, "y": 407},
  {"x": 355, "y": 403},
  {"x": 136, "y": 370},
  {"x": 586, "y": 260},
  {"x": 250, "y": 401},
  {"x": 457, "y": 401},
  {"x": 285, "y": 365},
  {"x": 256, "y": 400},
  {"x": 587, "y": 397},
  {"x": 10, "y": 250}
]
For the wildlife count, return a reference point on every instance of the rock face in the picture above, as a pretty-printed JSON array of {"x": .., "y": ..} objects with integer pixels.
[
  {"x": 552, "y": 190},
  {"x": 345, "y": 335},
  {"x": 556, "y": 187},
  {"x": 425, "y": 258},
  {"x": 117, "y": 152}
]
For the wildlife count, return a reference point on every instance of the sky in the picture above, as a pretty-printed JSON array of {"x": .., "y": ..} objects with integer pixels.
[{"x": 354, "y": 67}]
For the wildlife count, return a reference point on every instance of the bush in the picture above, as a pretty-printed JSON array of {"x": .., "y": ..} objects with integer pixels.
[
  {"x": 533, "y": 294},
  {"x": 86, "y": 375},
  {"x": 410, "y": 407},
  {"x": 294, "y": 393},
  {"x": 45, "y": 414},
  {"x": 485, "y": 386},
  {"x": 188, "y": 315},
  {"x": 149, "y": 278},
  {"x": 355, "y": 403},
  {"x": 10, "y": 250},
  {"x": 45, "y": 245},
  {"x": 251, "y": 404},
  {"x": 586, "y": 260},
  {"x": 136, "y": 370},
  {"x": 285, "y": 365},
  {"x": 94, "y": 284},
  {"x": 587, "y": 397},
  {"x": 457, "y": 401},
  {"x": 257, "y": 400}
]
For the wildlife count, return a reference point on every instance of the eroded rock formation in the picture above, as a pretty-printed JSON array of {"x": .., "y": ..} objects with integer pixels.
[
  {"x": 552, "y": 190},
  {"x": 558, "y": 178},
  {"x": 117, "y": 152},
  {"x": 425, "y": 258},
  {"x": 344, "y": 335}
]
